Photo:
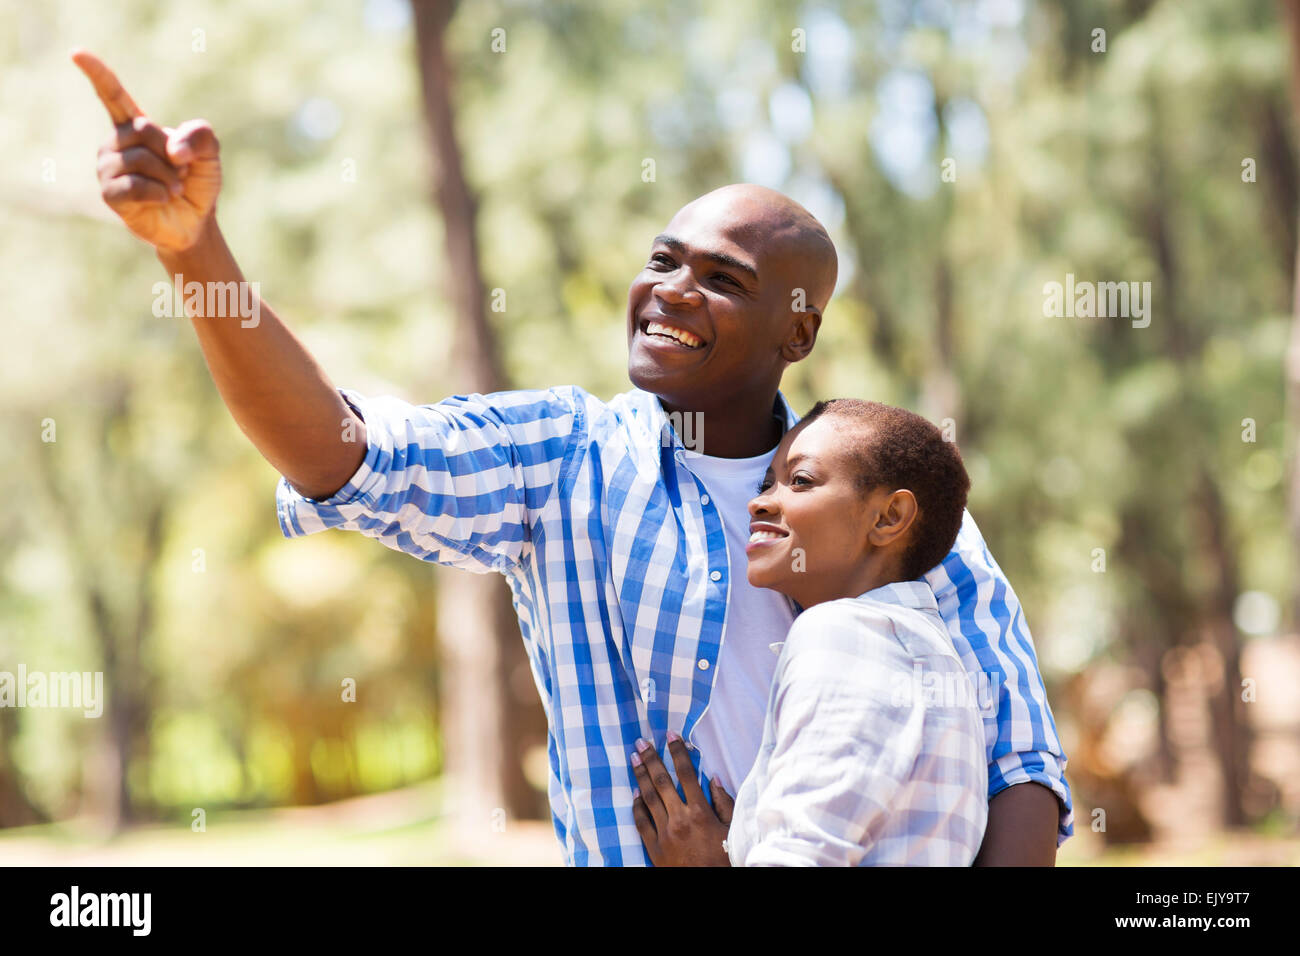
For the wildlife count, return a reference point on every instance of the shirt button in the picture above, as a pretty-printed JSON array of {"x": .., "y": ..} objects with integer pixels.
[
  {"x": 704, "y": 499},
  {"x": 703, "y": 664},
  {"x": 715, "y": 576}
]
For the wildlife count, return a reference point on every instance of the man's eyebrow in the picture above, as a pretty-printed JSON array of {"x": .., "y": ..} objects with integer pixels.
[{"x": 675, "y": 244}]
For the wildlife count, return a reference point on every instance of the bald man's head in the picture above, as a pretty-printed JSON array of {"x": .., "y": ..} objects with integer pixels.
[
  {"x": 733, "y": 293},
  {"x": 788, "y": 230}
]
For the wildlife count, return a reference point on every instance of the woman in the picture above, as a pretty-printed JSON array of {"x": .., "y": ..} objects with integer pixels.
[{"x": 863, "y": 761}]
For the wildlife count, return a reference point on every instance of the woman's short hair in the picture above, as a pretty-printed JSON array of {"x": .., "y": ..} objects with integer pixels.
[{"x": 897, "y": 449}]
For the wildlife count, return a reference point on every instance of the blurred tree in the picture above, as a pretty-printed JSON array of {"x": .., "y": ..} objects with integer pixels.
[
  {"x": 1290, "y": 13},
  {"x": 488, "y": 724}
]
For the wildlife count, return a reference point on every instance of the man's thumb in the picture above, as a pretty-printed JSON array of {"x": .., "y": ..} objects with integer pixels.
[{"x": 190, "y": 141}]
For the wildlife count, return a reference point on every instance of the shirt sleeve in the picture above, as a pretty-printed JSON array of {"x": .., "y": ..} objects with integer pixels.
[
  {"x": 459, "y": 482},
  {"x": 853, "y": 760},
  {"x": 988, "y": 629}
]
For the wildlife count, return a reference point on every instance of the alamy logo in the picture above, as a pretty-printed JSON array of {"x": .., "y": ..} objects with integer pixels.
[
  {"x": 71, "y": 689},
  {"x": 213, "y": 300},
  {"x": 689, "y": 428},
  {"x": 1098, "y": 300},
  {"x": 954, "y": 688},
  {"x": 102, "y": 909}
]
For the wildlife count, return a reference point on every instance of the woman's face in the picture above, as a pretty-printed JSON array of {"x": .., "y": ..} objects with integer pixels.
[{"x": 810, "y": 523}]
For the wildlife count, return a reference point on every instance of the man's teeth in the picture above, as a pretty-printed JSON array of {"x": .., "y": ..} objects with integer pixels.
[
  {"x": 764, "y": 536},
  {"x": 690, "y": 341}
]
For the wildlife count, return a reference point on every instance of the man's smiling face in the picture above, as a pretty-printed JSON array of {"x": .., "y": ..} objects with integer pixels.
[{"x": 710, "y": 317}]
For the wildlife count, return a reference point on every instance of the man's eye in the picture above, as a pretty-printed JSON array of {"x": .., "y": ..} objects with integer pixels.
[
  {"x": 659, "y": 259},
  {"x": 722, "y": 276}
]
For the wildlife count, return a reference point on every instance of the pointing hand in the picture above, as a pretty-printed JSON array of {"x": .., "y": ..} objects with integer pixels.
[{"x": 163, "y": 182}]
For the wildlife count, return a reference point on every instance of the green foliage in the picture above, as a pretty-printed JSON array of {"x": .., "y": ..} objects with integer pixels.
[{"x": 1080, "y": 433}]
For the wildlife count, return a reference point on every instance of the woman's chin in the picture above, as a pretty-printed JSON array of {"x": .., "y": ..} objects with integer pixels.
[{"x": 761, "y": 575}]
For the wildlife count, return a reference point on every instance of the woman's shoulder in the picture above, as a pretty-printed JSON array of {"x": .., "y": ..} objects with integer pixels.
[
  {"x": 869, "y": 626},
  {"x": 847, "y": 625}
]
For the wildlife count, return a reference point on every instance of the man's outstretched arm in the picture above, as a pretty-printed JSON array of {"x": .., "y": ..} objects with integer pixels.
[
  {"x": 163, "y": 183},
  {"x": 1022, "y": 828}
]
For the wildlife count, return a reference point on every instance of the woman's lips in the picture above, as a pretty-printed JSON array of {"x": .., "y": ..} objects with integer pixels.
[{"x": 763, "y": 537}]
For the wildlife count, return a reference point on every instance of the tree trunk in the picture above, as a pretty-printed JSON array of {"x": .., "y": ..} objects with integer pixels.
[
  {"x": 1230, "y": 736},
  {"x": 487, "y": 725},
  {"x": 120, "y": 630},
  {"x": 940, "y": 391},
  {"x": 16, "y": 809},
  {"x": 1231, "y": 731},
  {"x": 1291, "y": 19}
]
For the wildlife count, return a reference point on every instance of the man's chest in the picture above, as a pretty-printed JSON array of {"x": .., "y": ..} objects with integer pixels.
[{"x": 647, "y": 547}]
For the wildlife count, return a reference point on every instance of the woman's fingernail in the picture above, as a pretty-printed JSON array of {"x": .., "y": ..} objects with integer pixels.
[
  {"x": 641, "y": 745},
  {"x": 673, "y": 736},
  {"x": 636, "y": 759}
]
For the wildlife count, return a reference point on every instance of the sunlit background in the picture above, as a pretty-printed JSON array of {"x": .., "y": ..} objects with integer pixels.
[{"x": 1132, "y": 482}]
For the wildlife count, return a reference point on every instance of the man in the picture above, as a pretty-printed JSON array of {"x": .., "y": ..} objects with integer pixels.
[{"x": 623, "y": 567}]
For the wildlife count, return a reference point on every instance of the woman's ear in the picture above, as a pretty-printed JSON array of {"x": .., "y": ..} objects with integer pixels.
[{"x": 897, "y": 511}]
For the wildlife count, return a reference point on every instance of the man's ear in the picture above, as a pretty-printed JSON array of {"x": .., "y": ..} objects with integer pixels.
[
  {"x": 896, "y": 515},
  {"x": 803, "y": 335}
]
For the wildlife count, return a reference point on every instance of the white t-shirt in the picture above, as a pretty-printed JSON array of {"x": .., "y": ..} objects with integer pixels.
[{"x": 730, "y": 731}]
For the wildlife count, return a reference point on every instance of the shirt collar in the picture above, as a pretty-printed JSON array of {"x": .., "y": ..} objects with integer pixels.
[
  {"x": 913, "y": 594},
  {"x": 666, "y": 429}
]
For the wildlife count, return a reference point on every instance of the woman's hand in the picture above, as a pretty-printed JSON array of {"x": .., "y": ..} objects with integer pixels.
[{"x": 677, "y": 833}]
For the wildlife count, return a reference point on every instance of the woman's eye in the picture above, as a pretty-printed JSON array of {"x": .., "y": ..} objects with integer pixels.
[
  {"x": 764, "y": 485},
  {"x": 801, "y": 480}
]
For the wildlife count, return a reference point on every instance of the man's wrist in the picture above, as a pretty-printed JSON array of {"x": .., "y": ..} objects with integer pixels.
[{"x": 208, "y": 242}]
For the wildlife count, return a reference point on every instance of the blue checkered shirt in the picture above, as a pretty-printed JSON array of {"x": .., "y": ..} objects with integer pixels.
[
  {"x": 619, "y": 568},
  {"x": 873, "y": 745}
]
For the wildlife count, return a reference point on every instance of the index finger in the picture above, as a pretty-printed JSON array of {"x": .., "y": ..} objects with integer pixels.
[
  {"x": 659, "y": 778},
  {"x": 685, "y": 770},
  {"x": 121, "y": 108}
]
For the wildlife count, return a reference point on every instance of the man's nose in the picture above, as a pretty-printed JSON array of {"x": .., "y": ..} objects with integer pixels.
[{"x": 679, "y": 289}]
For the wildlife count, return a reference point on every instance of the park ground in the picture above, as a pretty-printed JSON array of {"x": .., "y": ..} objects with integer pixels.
[{"x": 404, "y": 828}]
